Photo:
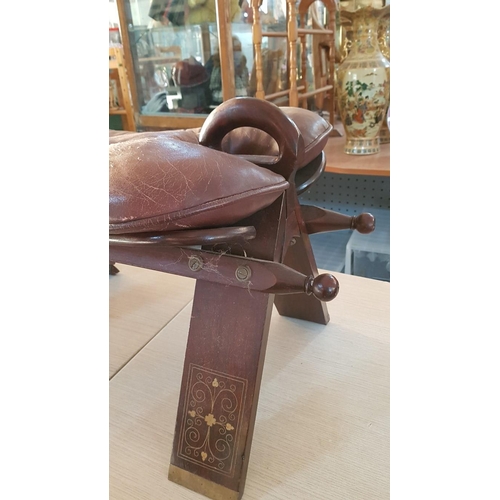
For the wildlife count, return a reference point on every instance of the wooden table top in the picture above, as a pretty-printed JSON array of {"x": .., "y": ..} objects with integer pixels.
[
  {"x": 322, "y": 427},
  {"x": 341, "y": 163},
  {"x": 137, "y": 311}
]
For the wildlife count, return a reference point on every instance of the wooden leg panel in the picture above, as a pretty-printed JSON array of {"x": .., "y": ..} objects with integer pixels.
[
  {"x": 299, "y": 256},
  {"x": 219, "y": 391}
]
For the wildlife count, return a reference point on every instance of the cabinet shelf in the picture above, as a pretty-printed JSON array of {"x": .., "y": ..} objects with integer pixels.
[{"x": 338, "y": 162}]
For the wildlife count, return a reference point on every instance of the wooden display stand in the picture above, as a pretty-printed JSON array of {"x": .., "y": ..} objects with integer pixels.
[{"x": 118, "y": 73}]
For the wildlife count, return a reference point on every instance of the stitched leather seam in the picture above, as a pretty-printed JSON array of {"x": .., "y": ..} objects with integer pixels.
[{"x": 203, "y": 208}]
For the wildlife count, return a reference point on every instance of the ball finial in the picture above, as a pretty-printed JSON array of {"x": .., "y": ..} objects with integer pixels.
[
  {"x": 364, "y": 223},
  {"x": 324, "y": 287}
]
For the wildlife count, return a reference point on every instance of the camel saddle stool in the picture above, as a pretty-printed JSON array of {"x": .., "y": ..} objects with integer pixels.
[{"x": 220, "y": 204}]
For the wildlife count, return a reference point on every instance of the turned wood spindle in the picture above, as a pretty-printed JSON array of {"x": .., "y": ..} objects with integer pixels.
[
  {"x": 332, "y": 27},
  {"x": 257, "y": 43},
  {"x": 292, "y": 52},
  {"x": 320, "y": 220},
  {"x": 303, "y": 51}
]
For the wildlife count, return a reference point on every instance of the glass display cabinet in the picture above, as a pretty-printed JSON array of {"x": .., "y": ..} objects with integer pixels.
[{"x": 185, "y": 57}]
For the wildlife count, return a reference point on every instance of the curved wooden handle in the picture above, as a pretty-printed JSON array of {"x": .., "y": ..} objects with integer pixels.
[{"x": 263, "y": 115}]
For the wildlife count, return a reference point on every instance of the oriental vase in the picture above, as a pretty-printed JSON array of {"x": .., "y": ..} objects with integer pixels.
[{"x": 363, "y": 83}]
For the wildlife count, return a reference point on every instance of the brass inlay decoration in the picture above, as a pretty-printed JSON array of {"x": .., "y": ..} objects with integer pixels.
[
  {"x": 212, "y": 417},
  {"x": 243, "y": 273},
  {"x": 195, "y": 263}
]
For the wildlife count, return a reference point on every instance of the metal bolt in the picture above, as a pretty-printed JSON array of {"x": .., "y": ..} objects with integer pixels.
[
  {"x": 195, "y": 263},
  {"x": 243, "y": 273}
]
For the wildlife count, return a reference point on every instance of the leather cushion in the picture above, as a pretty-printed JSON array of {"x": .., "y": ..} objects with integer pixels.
[
  {"x": 250, "y": 141},
  {"x": 187, "y": 135},
  {"x": 157, "y": 183}
]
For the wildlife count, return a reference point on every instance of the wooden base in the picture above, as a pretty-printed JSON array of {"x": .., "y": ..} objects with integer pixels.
[{"x": 200, "y": 485}]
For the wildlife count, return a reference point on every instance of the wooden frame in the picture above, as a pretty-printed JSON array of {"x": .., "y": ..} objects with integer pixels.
[
  {"x": 118, "y": 73},
  {"x": 257, "y": 36},
  {"x": 297, "y": 98},
  {"x": 225, "y": 49},
  {"x": 297, "y": 94}
]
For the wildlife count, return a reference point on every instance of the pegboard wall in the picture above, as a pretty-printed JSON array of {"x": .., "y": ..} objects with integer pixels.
[{"x": 349, "y": 194}]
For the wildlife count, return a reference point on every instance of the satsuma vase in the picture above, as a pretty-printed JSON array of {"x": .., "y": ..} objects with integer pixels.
[{"x": 363, "y": 83}]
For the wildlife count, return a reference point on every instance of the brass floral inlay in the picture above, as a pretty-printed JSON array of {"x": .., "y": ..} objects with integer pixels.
[{"x": 211, "y": 421}]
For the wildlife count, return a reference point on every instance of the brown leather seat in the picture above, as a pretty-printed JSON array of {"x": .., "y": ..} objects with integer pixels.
[
  {"x": 160, "y": 183},
  {"x": 165, "y": 181}
]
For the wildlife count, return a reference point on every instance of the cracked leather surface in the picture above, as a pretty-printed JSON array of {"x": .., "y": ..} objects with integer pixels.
[{"x": 165, "y": 181}]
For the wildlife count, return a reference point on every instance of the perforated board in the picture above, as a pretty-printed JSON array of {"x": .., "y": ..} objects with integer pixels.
[{"x": 349, "y": 194}]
